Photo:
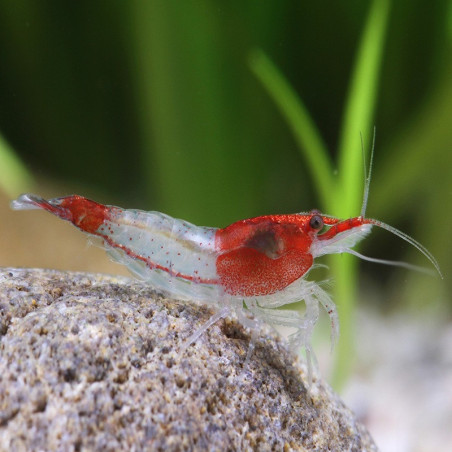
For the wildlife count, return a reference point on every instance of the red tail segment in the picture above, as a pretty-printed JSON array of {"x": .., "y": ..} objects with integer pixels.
[{"x": 83, "y": 213}]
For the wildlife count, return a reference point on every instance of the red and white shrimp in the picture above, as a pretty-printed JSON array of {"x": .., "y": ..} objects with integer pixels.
[{"x": 259, "y": 263}]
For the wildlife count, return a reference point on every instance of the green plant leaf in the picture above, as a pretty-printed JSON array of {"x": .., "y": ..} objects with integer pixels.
[
  {"x": 358, "y": 117},
  {"x": 359, "y": 109},
  {"x": 14, "y": 177}
]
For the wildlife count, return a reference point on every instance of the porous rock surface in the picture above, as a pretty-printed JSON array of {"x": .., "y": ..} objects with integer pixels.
[{"x": 90, "y": 362}]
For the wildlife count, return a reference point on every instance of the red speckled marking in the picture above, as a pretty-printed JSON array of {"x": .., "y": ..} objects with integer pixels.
[{"x": 263, "y": 255}]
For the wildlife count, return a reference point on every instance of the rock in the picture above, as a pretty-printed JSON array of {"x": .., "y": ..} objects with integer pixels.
[{"x": 91, "y": 362}]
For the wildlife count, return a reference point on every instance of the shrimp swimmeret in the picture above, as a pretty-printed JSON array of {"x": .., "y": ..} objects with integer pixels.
[{"x": 260, "y": 263}]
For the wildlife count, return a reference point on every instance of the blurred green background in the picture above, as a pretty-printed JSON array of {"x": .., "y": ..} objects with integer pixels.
[{"x": 154, "y": 105}]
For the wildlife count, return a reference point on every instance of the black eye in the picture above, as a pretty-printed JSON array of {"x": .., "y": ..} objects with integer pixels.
[{"x": 316, "y": 222}]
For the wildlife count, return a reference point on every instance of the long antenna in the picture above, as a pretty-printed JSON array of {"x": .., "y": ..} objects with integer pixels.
[
  {"x": 408, "y": 239},
  {"x": 394, "y": 263},
  {"x": 369, "y": 175}
]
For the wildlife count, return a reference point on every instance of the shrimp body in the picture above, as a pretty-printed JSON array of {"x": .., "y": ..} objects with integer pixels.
[{"x": 260, "y": 263}]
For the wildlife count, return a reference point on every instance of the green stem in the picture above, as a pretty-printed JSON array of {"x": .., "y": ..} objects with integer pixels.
[{"x": 358, "y": 116}]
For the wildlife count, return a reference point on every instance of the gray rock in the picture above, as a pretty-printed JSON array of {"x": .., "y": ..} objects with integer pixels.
[{"x": 90, "y": 362}]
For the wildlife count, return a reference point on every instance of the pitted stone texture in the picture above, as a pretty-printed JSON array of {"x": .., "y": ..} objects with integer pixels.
[{"x": 90, "y": 362}]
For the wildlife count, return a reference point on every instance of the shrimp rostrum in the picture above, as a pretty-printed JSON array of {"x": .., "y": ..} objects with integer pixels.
[{"x": 259, "y": 264}]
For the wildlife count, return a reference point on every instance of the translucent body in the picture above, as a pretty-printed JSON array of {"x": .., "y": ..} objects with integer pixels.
[
  {"x": 172, "y": 255},
  {"x": 260, "y": 264}
]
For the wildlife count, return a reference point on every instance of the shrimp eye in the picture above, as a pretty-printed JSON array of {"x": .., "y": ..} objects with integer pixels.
[{"x": 316, "y": 222}]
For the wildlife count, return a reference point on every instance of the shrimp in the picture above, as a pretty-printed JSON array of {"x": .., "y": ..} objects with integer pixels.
[{"x": 259, "y": 264}]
